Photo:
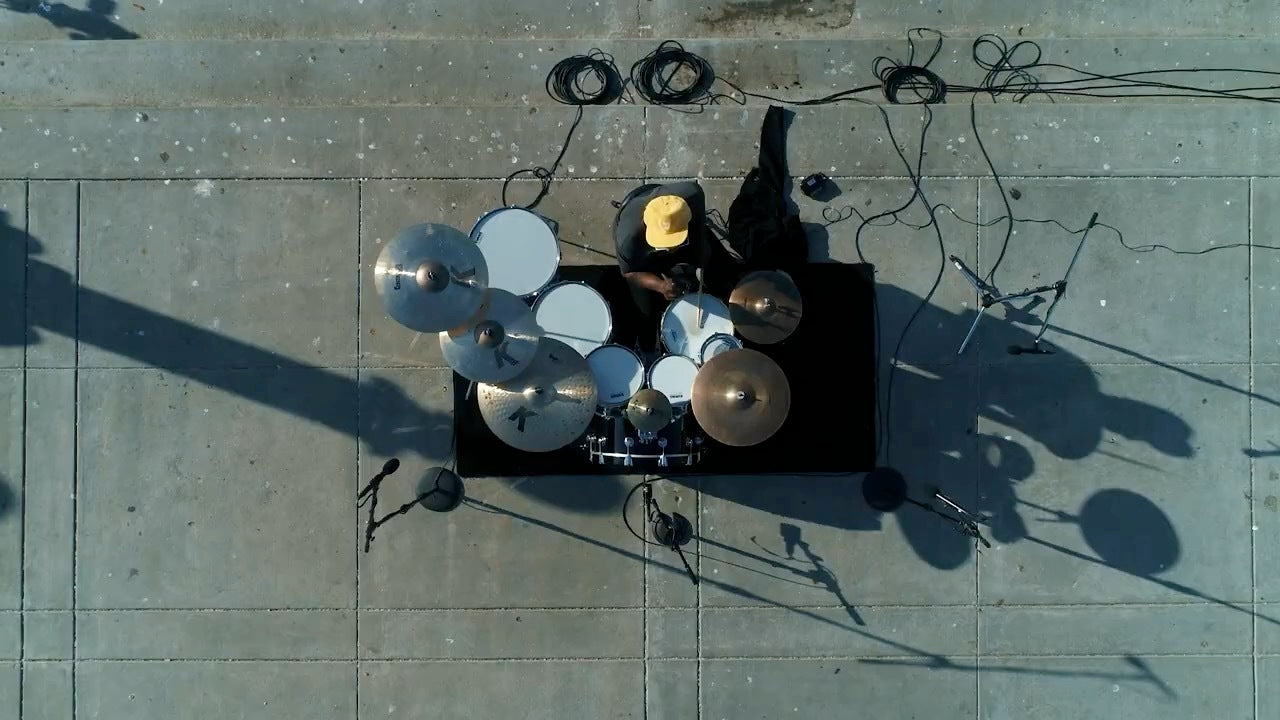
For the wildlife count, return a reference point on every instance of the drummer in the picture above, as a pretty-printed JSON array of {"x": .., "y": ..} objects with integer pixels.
[{"x": 661, "y": 236}]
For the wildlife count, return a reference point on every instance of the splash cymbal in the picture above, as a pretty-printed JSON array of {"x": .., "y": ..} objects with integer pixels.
[
  {"x": 547, "y": 406},
  {"x": 497, "y": 344},
  {"x": 765, "y": 306},
  {"x": 431, "y": 277},
  {"x": 649, "y": 410},
  {"x": 741, "y": 397}
]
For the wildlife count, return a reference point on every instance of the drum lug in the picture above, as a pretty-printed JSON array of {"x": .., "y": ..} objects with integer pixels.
[
  {"x": 662, "y": 460},
  {"x": 628, "y": 462}
]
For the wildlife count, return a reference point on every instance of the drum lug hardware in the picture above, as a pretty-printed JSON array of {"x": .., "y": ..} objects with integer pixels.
[
  {"x": 628, "y": 462},
  {"x": 662, "y": 460}
]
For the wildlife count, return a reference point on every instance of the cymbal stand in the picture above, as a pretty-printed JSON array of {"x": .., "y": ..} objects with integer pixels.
[
  {"x": 670, "y": 531},
  {"x": 989, "y": 295}
]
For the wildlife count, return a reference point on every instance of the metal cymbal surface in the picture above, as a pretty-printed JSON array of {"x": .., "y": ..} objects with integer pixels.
[
  {"x": 499, "y": 342},
  {"x": 431, "y": 277},
  {"x": 649, "y": 410},
  {"x": 547, "y": 406},
  {"x": 765, "y": 306},
  {"x": 741, "y": 397}
]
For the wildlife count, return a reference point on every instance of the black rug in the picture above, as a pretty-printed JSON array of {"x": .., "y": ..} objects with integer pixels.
[{"x": 829, "y": 361}]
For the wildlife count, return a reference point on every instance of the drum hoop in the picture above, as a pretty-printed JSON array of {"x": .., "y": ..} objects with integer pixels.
[
  {"x": 733, "y": 340},
  {"x": 555, "y": 241},
  {"x": 662, "y": 321},
  {"x": 648, "y": 375},
  {"x": 608, "y": 310},
  {"x": 639, "y": 363}
]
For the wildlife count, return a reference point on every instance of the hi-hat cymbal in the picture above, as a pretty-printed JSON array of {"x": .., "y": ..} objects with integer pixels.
[
  {"x": 547, "y": 406},
  {"x": 497, "y": 344},
  {"x": 741, "y": 397},
  {"x": 765, "y": 306},
  {"x": 649, "y": 410},
  {"x": 431, "y": 277}
]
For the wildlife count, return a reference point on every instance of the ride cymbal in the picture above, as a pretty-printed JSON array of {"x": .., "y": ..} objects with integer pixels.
[
  {"x": 741, "y": 397},
  {"x": 765, "y": 306},
  {"x": 649, "y": 410},
  {"x": 431, "y": 277},
  {"x": 497, "y": 344},
  {"x": 547, "y": 406}
]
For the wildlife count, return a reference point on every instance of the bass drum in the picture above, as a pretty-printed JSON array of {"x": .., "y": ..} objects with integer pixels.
[{"x": 613, "y": 441}]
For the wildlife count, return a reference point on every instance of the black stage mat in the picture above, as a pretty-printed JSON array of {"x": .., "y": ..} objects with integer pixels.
[{"x": 829, "y": 361}]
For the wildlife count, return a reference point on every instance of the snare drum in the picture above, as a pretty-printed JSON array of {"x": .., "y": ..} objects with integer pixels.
[
  {"x": 519, "y": 248},
  {"x": 680, "y": 332},
  {"x": 619, "y": 375},
  {"x": 672, "y": 375},
  {"x": 576, "y": 314},
  {"x": 717, "y": 344}
]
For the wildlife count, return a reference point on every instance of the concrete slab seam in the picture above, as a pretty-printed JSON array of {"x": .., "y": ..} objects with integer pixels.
[
  {"x": 359, "y": 332},
  {"x": 1253, "y": 489},
  {"x": 977, "y": 562},
  {"x": 22, "y": 489},
  {"x": 75, "y": 466}
]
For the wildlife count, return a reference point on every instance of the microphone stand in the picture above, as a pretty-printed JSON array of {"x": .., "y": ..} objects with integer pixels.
[
  {"x": 369, "y": 495},
  {"x": 670, "y": 531},
  {"x": 989, "y": 296}
]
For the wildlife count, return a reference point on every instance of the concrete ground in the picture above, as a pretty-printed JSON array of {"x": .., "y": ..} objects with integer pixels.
[{"x": 196, "y": 376}]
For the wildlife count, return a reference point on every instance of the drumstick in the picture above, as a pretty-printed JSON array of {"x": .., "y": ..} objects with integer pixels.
[{"x": 697, "y": 272}]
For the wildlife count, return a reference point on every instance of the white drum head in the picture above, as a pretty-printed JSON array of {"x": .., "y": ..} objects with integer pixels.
[
  {"x": 672, "y": 375},
  {"x": 717, "y": 344},
  {"x": 619, "y": 374},
  {"x": 575, "y": 314},
  {"x": 680, "y": 332},
  {"x": 519, "y": 248}
]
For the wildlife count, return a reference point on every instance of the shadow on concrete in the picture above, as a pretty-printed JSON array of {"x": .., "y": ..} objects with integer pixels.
[
  {"x": 94, "y": 22},
  {"x": 8, "y": 499},
  {"x": 321, "y": 396},
  {"x": 915, "y": 656},
  {"x": 817, "y": 573}
]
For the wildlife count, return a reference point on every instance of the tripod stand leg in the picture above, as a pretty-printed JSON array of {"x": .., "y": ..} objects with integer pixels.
[{"x": 972, "y": 328}]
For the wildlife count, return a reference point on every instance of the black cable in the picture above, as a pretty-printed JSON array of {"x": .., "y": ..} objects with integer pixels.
[
  {"x": 581, "y": 80},
  {"x": 671, "y": 75}
]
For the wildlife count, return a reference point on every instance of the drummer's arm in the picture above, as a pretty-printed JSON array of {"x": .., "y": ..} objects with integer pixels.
[{"x": 646, "y": 280}]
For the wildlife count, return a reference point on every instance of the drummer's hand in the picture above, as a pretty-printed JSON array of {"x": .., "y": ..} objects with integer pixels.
[{"x": 669, "y": 289}]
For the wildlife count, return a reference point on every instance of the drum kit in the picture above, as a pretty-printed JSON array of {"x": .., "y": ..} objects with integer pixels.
[{"x": 540, "y": 356}]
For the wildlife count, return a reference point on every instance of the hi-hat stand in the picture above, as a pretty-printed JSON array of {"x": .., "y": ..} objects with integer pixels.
[
  {"x": 886, "y": 490},
  {"x": 990, "y": 296}
]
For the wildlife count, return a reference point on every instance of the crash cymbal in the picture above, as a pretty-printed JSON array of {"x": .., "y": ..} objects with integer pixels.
[
  {"x": 649, "y": 410},
  {"x": 765, "y": 306},
  {"x": 741, "y": 397},
  {"x": 497, "y": 344},
  {"x": 547, "y": 406},
  {"x": 431, "y": 277}
]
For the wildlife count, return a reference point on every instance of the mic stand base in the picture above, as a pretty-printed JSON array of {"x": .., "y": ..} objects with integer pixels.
[{"x": 444, "y": 494}]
